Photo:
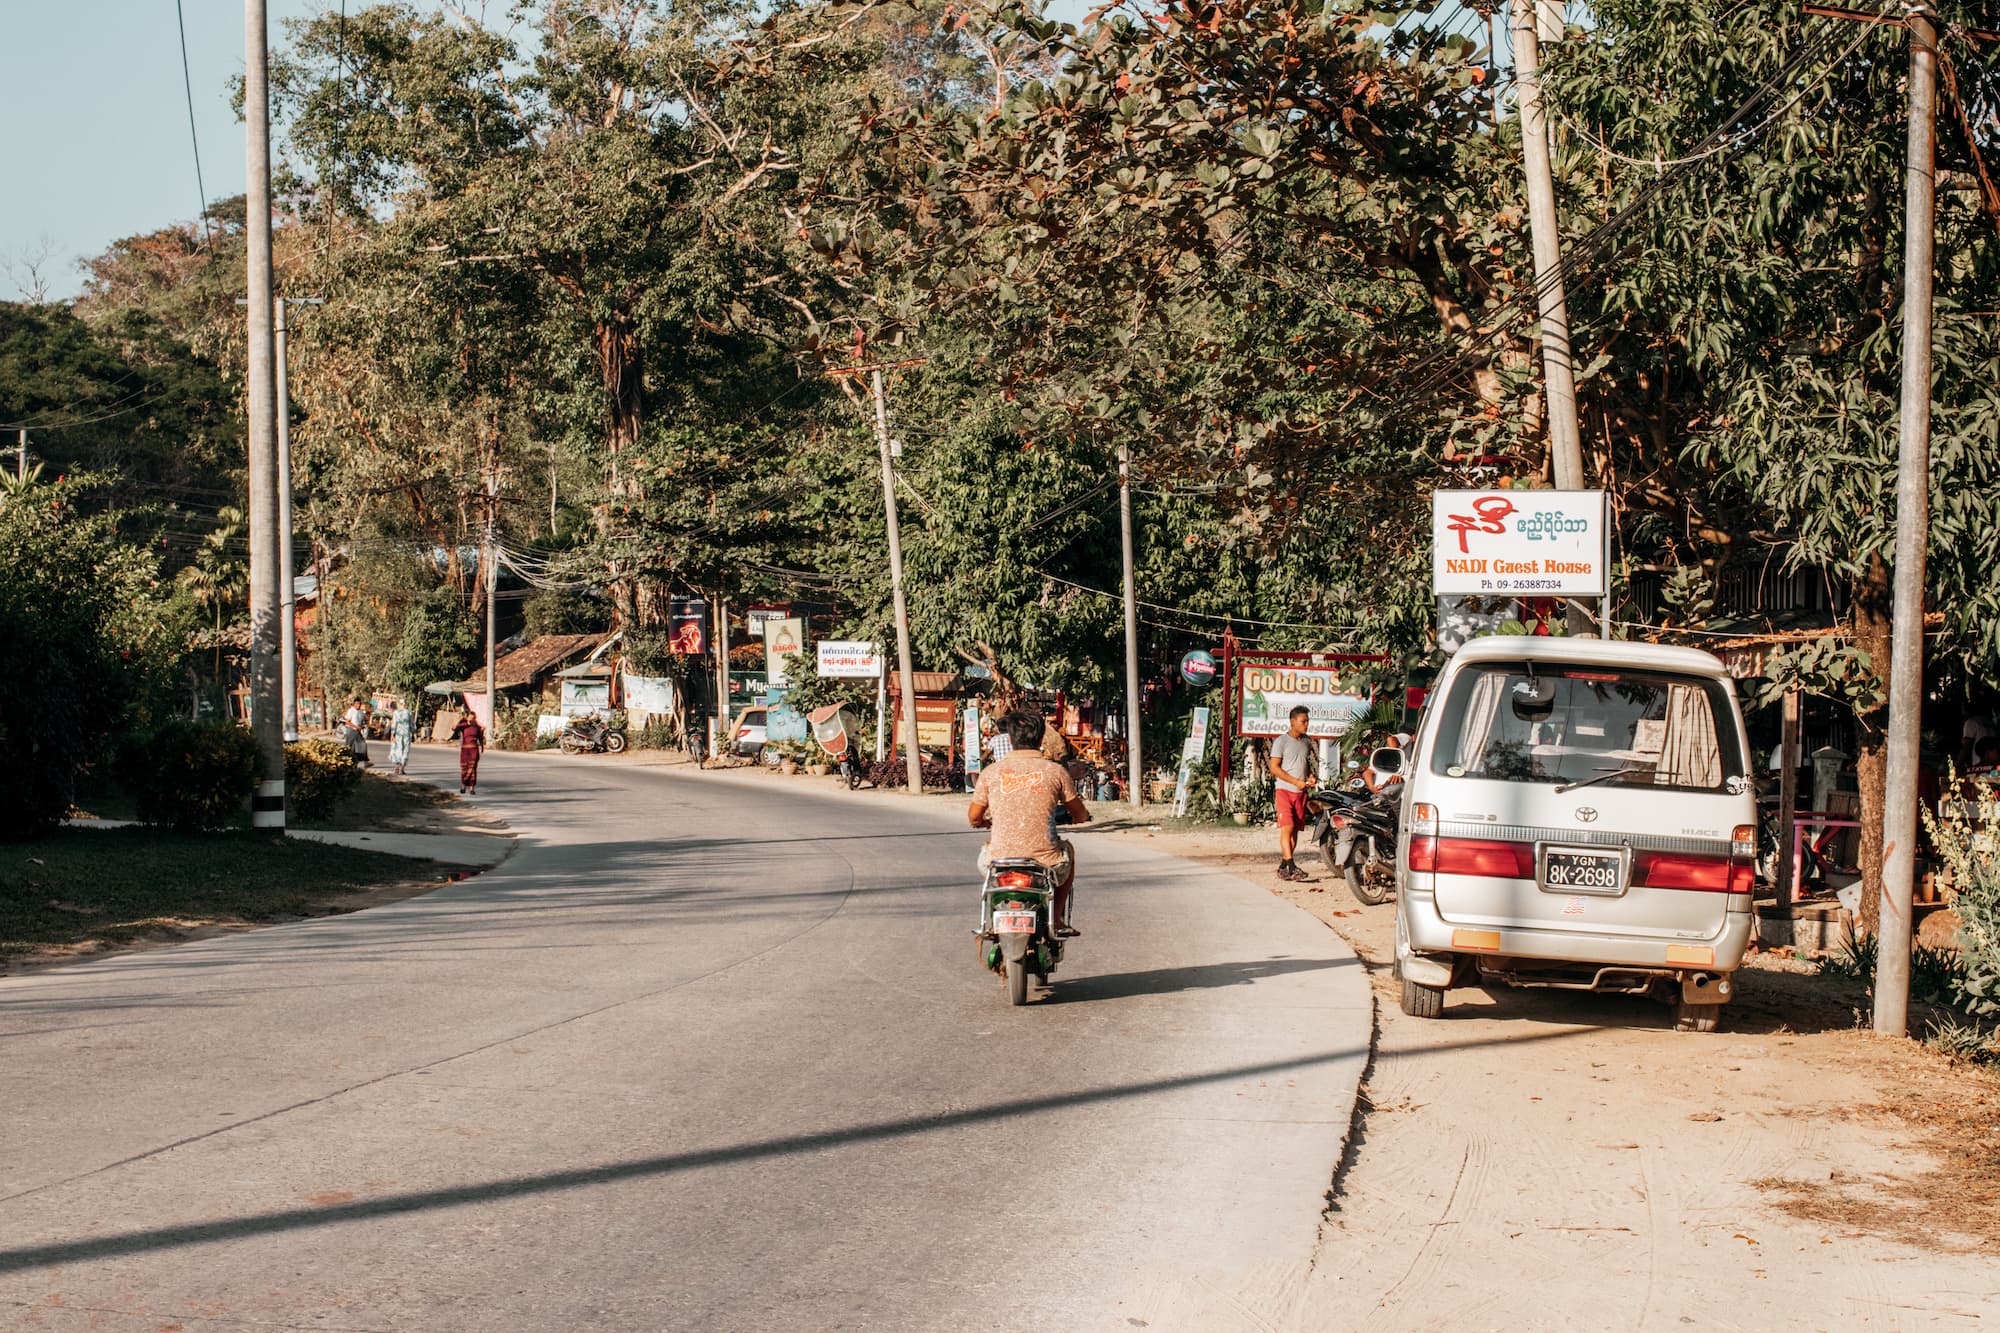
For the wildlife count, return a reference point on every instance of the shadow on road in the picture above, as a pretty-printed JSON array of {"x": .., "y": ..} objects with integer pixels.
[{"x": 1196, "y": 976}]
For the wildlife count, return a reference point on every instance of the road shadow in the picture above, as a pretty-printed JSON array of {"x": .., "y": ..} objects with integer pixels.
[{"x": 1169, "y": 980}]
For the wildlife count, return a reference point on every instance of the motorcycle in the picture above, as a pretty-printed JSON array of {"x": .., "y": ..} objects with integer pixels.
[
  {"x": 838, "y": 733},
  {"x": 1017, "y": 924},
  {"x": 591, "y": 735},
  {"x": 1356, "y": 833}
]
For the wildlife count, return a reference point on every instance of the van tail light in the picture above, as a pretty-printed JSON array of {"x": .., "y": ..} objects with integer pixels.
[
  {"x": 1704, "y": 874},
  {"x": 1743, "y": 843},
  {"x": 1015, "y": 879},
  {"x": 1472, "y": 856},
  {"x": 1423, "y": 820}
]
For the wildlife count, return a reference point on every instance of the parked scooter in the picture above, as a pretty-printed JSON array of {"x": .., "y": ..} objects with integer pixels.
[
  {"x": 1017, "y": 924},
  {"x": 1356, "y": 831},
  {"x": 591, "y": 735}
]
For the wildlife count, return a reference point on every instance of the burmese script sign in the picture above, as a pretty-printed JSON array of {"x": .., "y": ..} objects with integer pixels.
[
  {"x": 1518, "y": 543},
  {"x": 1266, "y": 696}
]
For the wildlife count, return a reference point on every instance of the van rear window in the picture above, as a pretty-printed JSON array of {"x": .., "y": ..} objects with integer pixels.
[{"x": 1553, "y": 724}]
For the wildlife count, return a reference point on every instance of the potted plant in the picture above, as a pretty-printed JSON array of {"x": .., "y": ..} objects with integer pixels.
[{"x": 788, "y": 759}]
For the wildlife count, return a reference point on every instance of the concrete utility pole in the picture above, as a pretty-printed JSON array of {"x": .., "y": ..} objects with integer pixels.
[
  {"x": 1558, "y": 377},
  {"x": 21, "y": 457},
  {"x": 288, "y": 646},
  {"x": 267, "y": 806},
  {"x": 1906, "y": 655},
  {"x": 913, "y": 755},
  {"x": 1138, "y": 794},
  {"x": 724, "y": 737}
]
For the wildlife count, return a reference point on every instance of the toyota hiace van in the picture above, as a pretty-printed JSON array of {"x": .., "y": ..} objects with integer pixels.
[{"x": 1578, "y": 814}]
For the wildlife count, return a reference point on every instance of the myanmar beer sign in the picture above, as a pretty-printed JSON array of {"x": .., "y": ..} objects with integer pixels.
[{"x": 1513, "y": 543}]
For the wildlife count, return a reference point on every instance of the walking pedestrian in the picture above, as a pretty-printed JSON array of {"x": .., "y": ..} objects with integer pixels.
[
  {"x": 471, "y": 738},
  {"x": 1291, "y": 760},
  {"x": 354, "y": 733},
  {"x": 402, "y": 728}
]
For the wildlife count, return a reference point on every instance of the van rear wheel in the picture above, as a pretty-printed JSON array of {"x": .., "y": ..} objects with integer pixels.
[
  {"x": 1696, "y": 1017},
  {"x": 1421, "y": 1001}
]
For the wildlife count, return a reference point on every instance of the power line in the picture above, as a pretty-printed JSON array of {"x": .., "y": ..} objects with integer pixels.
[{"x": 187, "y": 82}]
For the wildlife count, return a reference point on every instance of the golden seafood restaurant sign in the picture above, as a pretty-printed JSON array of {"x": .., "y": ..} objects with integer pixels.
[
  {"x": 1267, "y": 695},
  {"x": 1519, "y": 543}
]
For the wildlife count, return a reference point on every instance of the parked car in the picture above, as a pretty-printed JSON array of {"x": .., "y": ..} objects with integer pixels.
[
  {"x": 749, "y": 732},
  {"x": 1578, "y": 814}
]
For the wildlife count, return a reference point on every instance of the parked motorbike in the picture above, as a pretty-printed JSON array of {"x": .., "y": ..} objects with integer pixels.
[
  {"x": 1355, "y": 830},
  {"x": 1016, "y": 932},
  {"x": 838, "y": 733},
  {"x": 591, "y": 735}
]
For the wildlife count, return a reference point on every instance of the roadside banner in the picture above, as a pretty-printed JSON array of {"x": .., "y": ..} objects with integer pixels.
[
  {"x": 1509, "y": 543},
  {"x": 782, "y": 722},
  {"x": 972, "y": 755},
  {"x": 783, "y": 637},
  {"x": 1266, "y": 695},
  {"x": 849, "y": 657},
  {"x": 648, "y": 694},
  {"x": 1191, "y": 750},
  {"x": 687, "y": 620}
]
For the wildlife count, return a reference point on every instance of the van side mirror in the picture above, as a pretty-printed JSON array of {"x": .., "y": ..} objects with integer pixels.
[{"x": 1387, "y": 760}]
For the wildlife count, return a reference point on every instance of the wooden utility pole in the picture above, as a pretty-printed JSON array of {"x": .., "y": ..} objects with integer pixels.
[
  {"x": 1137, "y": 792},
  {"x": 912, "y": 753},
  {"x": 1788, "y": 800},
  {"x": 725, "y": 738},
  {"x": 1906, "y": 679},
  {"x": 21, "y": 457},
  {"x": 267, "y": 805}
]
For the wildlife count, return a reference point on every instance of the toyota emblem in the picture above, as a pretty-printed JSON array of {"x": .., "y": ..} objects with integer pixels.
[{"x": 1586, "y": 814}]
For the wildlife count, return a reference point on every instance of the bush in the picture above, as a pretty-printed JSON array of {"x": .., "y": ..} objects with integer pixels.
[
  {"x": 894, "y": 772},
  {"x": 318, "y": 774},
  {"x": 1964, "y": 842},
  {"x": 190, "y": 775}
]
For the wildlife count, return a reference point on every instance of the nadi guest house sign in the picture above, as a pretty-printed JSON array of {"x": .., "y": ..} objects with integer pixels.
[
  {"x": 1266, "y": 696},
  {"x": 1509, "y": 543}
]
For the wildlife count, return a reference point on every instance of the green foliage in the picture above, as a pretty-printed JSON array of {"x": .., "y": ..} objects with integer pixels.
[
  {"x": 1828, "y": 667},
  {"x": 1962, "y": 1042},
  {"x": 89, "y": 645},
  {"x": 318, "y": 774},
  {"x": 561, "y": 611},
  {"x": 189, "y": 775},
  {"x": 439, "y": 642},
  {"x": 1965, "y": 841}
]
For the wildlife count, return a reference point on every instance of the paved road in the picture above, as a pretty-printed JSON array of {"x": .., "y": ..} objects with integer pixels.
[{"x": 710, "y": 1051}]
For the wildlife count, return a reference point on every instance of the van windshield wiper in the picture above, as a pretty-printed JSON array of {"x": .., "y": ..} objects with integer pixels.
[{"x": 1623, "y": 772}]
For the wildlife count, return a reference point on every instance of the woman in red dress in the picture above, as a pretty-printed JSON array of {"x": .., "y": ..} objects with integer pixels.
[{"x": 471, "y": 738}]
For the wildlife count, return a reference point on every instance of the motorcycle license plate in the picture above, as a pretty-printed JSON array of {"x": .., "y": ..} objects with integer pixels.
[
  {"x": 1569, "y": 871},
  {"x": 1008, "y": 923}
]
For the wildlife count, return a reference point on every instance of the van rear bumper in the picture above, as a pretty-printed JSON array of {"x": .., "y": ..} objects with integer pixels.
[{"x": 1428, "y": 933}]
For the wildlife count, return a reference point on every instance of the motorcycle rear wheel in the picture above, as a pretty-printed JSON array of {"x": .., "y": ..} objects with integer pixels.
[
  {"x": 1371, "y": 881},
  {"x": 1017, "y": 982},
  {"x": 614, "y": 741}
]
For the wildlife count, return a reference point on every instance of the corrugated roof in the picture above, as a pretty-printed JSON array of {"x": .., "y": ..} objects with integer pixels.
[{"x": 535, "y": 659}]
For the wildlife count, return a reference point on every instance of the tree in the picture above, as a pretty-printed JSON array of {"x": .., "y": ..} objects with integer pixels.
[{"x": 440, "y": 641}]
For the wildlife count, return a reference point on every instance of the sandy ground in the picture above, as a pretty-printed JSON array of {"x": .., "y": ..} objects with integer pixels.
[{"x": 1551, "y": 1160}]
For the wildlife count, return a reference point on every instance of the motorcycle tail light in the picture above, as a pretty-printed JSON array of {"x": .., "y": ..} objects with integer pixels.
[
  {"x": 1340, "y": 821},
  {"x": 1016, "y": 879}
]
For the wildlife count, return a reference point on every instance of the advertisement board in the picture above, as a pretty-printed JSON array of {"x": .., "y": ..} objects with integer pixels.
[
  {"x": 849, "y": 657},
  {"x": 783, "y": 638},
  {"x": 1266, "y": 695},
  {"x": 1509, "y": 543},
  {"x": 687, "y": 619},
  {"x": 1191, "y": 750}
]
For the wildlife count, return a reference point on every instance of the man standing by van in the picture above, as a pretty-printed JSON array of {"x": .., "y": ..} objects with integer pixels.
[{"x": 1291, "y": 758}]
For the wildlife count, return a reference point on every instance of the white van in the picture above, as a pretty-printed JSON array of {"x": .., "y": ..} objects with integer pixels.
[{"x": 1578, "y": 814}]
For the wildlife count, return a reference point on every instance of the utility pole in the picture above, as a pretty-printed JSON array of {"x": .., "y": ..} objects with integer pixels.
[
  {"x": 1558, "y": 377},
  {"x": 489, "y": 573},
  {"x": 723, "y": 736},
  {"x": 288, "y": 647},
  {"x": 21, "y": 457},
  {"x": 1906, "y": 654},
  {"x": 267, "y": 806},
  {"x": 913, "y": 756},
  {"x": 1137, "y": 793}
]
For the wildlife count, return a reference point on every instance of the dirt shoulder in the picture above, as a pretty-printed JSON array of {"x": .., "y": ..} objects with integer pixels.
[{"x": 1536, "y": 1154}]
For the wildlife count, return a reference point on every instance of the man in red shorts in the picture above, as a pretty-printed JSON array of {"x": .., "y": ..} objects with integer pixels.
[{"x": 1291, "y": 761}]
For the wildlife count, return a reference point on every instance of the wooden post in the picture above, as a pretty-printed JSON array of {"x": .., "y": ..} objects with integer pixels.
[{"x": 1788, "y": 802}]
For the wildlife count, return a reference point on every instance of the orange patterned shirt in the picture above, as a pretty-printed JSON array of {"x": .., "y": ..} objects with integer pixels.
[{"x": 1022, "y": 793}]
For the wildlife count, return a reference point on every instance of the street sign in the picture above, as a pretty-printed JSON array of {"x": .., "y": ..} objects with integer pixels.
[
  {"x": 1266, "y": 695},
  {"x": 849, "y": 657},
  {"x": 1198, "y": 669},
  {"x": 1508, "y": 543}
]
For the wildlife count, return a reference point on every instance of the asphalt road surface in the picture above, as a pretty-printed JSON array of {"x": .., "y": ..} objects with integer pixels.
[{"x": 709, "y": 1051}]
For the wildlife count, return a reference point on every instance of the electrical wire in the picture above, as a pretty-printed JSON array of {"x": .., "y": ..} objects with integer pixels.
[
  {"x": 1201, "y": 615},
  {"x": 187, "y": 82}
]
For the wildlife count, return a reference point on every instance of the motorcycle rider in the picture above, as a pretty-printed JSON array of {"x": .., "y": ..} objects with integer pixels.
[{"x": 1017, "y": 798}]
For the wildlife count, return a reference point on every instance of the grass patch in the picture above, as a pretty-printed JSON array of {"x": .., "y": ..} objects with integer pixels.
[
  {"x": 379, "y": 803},
  {"x": 78, "y": 889}
]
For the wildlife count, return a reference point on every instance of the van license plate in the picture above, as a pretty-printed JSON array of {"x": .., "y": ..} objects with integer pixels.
[{"x": 1565, "y": 871}]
